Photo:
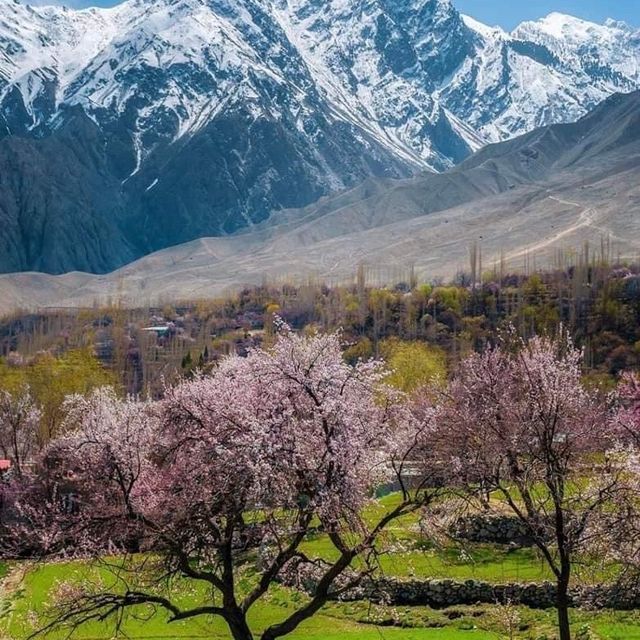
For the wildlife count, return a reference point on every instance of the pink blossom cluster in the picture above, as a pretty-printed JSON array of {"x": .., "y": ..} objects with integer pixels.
[{"x": 243, "y": 464}]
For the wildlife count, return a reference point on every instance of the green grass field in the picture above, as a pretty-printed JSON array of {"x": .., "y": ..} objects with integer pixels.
[
  {"x": 338, "y": 621},
  {"x": 24, "y": 599},
  {"x": 357, "y": 621},
  {"x": 490, "y": 563},
  {"x": 412, "y": 557}
]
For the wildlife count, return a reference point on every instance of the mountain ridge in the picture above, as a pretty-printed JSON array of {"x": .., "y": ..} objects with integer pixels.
[{"x": 202, "y": 117}]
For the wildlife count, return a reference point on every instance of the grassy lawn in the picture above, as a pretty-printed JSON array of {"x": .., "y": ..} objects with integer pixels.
[
  {"x": 22, "y": 608},
  {"x": 411, "y": 556},
  {"x": 490, "y": 563},
  {"x": 337, "y": 622},
  {"x": 358, "y": 621}
]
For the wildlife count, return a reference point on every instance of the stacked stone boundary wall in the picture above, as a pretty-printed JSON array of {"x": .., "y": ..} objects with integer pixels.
[
  {"x": 499, "y": 529},
  {"x": 446, "y": 593}
]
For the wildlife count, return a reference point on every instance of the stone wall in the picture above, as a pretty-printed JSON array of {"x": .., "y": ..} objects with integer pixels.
[
  {"x": 446, "y": 593},
  {"x": 499, "y": 529}
]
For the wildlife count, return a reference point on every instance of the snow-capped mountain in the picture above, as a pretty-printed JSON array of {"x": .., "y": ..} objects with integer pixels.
[
  {"x": 544, "y": 72},
  {"x": 182, "y": 118}
]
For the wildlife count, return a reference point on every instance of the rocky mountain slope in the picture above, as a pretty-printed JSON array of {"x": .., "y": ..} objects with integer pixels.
[
  {"x": 520, "y": 201},
  {"x": 130, "y": 129}
]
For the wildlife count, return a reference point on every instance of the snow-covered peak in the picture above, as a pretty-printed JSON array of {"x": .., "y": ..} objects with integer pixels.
[
  {"x": 184, "y": 118},
  {"x": 484, "y": 30},
  {"x": 573, "y": 32},
  {"x": 416, "y": 76},
  {"x": 608, "y": 53},
  {"x": 56, "y": 37},
  {"x": 619, "y": 24},
  {"x": 562, "y": 26}
]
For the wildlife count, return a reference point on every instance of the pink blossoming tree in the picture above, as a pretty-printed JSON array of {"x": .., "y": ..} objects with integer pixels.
[
  {"x": 80, "y": 498},
  {"x": 623, "y": 524},
  {"x": 19, "y": 424},
  {"x": 523, "y": 434},
  {"x": 222, "y": 482},
  {"x": 628, "y": 416}
]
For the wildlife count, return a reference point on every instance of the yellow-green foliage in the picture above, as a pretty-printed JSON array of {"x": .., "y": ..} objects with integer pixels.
[
  {"x": 534, "y": 287},
  {"x": 451, "y": 298},
  {"x": 351, "y": 304},
  {"x": 600, "y": 381},
  {"x": 413, "y": 365},
  {"x": 379, "y": 298},
  {"x": 52, "y": 378},
  {"x": 424, "y": 290},
  {"x": 543, "y": 318},
  {"x": 615, "y": 312},
  {"x": 361, "y": 350}
]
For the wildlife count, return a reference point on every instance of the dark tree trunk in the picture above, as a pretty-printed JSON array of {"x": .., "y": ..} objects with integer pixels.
[
  {"x": 239, "y": 627},
  {"x": 562, "y": 604}
]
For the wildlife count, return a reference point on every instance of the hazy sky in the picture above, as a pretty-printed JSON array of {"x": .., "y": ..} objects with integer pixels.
[{"x": 506, "y": 13}]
